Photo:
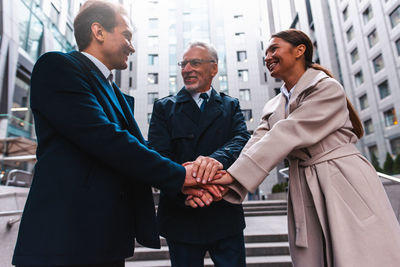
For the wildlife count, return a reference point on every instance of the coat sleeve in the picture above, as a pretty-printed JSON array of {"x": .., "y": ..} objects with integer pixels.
[
  {"x": 319, "y": 114},
  {"x": 230, "y": 151},
  {"x": 64, "y": 96}
]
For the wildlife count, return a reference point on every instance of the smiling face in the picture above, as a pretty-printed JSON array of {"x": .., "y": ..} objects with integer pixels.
[
  {"x": 199, "y": 78},
  {"x": 281, "y": 58},
  {"x": 117, "y": 44}
]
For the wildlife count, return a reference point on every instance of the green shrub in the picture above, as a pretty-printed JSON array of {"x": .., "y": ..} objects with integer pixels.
[
  {"x": 375, "y": 163},
  {"x": 388, "y": 164},
  {"x": 281, "y": 187},
  {"x": 396, "y": 166}
]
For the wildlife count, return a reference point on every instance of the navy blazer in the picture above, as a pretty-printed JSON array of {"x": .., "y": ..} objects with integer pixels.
[
  {"x": 91, "y": 191},
  {"x": 181, "y": 132}
]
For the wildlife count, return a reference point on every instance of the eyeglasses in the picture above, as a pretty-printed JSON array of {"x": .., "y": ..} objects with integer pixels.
[{"x": 194, "y": 62}]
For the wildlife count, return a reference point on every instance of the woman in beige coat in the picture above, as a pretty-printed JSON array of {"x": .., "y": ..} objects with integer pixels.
[{"x": 338, "y": 212}]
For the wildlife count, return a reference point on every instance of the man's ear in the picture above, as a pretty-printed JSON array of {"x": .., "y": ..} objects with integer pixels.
[
  {"x": 214, "y": 69},
  {"x": 300, "y": 50},
  {"x": 98, "y": 32}
]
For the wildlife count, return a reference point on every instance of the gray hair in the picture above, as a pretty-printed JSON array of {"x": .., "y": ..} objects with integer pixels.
[{"x": 209, "y": 47}]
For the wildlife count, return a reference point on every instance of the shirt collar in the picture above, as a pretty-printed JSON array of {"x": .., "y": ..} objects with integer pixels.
[
  {"x": 287, "y": 93},
  {"x": 196, "y": 95},
  {"x": 104, "y": 70}
]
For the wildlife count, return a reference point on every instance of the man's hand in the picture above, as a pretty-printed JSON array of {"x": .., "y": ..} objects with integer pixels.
[
  {"x": 205, "y": 168},
  {"x": 202, "y": 201}
]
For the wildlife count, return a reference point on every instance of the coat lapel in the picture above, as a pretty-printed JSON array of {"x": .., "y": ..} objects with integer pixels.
[
  {"x": 211, "y": 112},
  {"x": 187, "y": 106},
  {"x": 279, "y": 111}
]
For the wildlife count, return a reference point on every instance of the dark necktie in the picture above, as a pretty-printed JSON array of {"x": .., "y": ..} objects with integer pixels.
[{"x": 205, "y": 97}]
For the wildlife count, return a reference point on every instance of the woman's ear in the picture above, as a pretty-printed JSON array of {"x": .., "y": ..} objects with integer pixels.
[{"x": 300, "y": 50}]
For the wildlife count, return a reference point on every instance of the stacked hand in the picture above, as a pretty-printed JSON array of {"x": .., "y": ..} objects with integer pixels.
[{"x": 205, "y": 182}]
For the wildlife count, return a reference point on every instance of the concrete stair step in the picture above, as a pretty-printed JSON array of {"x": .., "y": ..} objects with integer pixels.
[
  {"x": 257, "y": 261},
  {"x": 261, "y": 208},
  {"x": 264, "y": 238},
  {"x": 265, "y": 213},
  {"x": 252, "y": 249}
]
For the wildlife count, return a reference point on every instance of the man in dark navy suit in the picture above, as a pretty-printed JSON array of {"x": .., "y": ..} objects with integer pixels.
[
  {"x": 91, "y": 193},
  {"x": 208, "y": 128}
]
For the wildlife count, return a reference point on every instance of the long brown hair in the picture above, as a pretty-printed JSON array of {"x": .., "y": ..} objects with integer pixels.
[{"x": 295, "y": 38}]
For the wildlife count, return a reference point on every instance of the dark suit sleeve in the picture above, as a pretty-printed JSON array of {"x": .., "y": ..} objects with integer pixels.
[
  {"x": 65, "y": 97},
  {"x": 230, "y": 151}
]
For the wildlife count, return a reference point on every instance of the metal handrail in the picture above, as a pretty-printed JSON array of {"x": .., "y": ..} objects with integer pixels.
[
  {"x": 381, "y": 175},
  {"x": 388, "y": 177}
]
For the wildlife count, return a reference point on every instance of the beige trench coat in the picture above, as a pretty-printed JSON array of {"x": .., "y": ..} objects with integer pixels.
[{"x": 338, "y": 211}]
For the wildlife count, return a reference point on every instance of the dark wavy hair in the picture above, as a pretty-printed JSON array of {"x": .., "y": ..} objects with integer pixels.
[{"x": 296, "y": 37}]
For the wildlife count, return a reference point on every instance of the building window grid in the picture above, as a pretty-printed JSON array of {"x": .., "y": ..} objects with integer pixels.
[
  {"x": 152, "y": 78},
  {"x": 354, "y": 55},
  {"x": 363, "y": 100},
  {"x": 390, "y": 117},
  {"x": 395, "y": 17},
  {"x": 152, "y": 97},
  {"x": 248, "y": 114},
  {"x": 378, "y": 63},
  {"x": 350, "y": 34},
  {"x": 367, "y": 14},
  {"x": 372, "y": 38},
  {"x": 243, "y": 75},
  {"x": 384, "y": 90},
  {"x": 397, "y": 43},
  {"x": 358, "y": 78},
  {"x": 345, "y": 13},
  {"x": 241, "y": 56},
  {"x": 368, "y": 126},
  {"x": 244, "y": 94},
  {"x": 153, "y": 59}
]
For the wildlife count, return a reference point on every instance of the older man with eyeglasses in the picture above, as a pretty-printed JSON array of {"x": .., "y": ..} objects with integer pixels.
[{"x": 207, "y": 128}]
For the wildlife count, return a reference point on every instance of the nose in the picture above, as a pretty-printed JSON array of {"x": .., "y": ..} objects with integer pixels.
[
  {"x": 131, "y": 48},
  {"x": 268, "y": 56}
]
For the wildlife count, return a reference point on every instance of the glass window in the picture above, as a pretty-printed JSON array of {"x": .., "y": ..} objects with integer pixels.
[
  {"x": 358, "y": 78},
  {"x": 152, "y": 78},
  {"x": 130, "y": 82},
  {"x": 239, "y": 38},
  {"x": 390, "y": 117},
  {"x": 354, "y": 55},
  {"x": 244, "y": 94},
  {"x": 368, "y": 126},
  {"x": 277, "y": 91},
  {"x": 151, "y": 97},
  {"x": 345, "y": 13},
  {"x": 395, "y": 146},
  {"x": 153, "y": 23},
  {"x": 384, "y": 90},
  {"x": 130, "y": 65},
  {"x": 153, "y": 42},
  {"x": 243, "y": 75},
  {"x": 54, "y": 14},
  {"x": 153, "y": 59},
  {"x": 241, "y": 56},
  {"x": 350, "y": 34},
  {"x": 363, "y": 101},
  {"x": 372, "y": 38},
  {"x": 172, "y": 85},
  {"x": 367, "y": 15},
  {"x": 398, "y": 46},
  {"x": 69, "y": 33},
  {"x": 248, "y": 114},
  {"x": 395, "y": 17},
  {"x": 223, "y": 83},
  {"x": 378, "y": 63}
]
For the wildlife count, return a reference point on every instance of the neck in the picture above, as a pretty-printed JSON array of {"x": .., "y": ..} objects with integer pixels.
[
  {"x": 292, "y": 79},
  {"x": 96, "y": 53}
]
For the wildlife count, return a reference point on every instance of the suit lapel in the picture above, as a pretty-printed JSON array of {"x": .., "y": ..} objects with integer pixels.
[{"x": 101, "y": 84}]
